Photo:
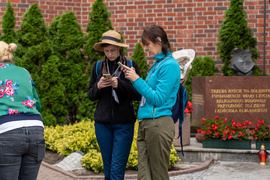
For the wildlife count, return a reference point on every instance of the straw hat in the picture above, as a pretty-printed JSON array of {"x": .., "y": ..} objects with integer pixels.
[{"x": 110, "y": 37}]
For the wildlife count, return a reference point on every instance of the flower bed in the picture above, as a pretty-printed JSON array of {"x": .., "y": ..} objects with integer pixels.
[
  {"x": 220, "y": 128},
  {"x": 219, "y": 133},
  {"x": 261, "y": 134}
]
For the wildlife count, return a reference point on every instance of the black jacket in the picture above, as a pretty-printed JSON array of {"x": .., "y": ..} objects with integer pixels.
[{"x": 107, "y": 109}]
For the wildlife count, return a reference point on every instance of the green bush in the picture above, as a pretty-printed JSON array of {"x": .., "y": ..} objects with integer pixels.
[
  {"x": 67, "y": 43},
  {"x": 8, "y": 25},
  {"x": 201, "y": 66},
  {"x": 81, "y": 137},
  {"x": 100, "y": 22},
  {"x": 52, "y": 91},
  {"x": 36, "y": 56},
  {"x": 235, "y": 33}
]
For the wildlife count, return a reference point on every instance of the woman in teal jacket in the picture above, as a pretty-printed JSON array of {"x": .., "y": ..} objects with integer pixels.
[
  {"x": 22, "y": 143},
  {"x": 156, "y": 127}
]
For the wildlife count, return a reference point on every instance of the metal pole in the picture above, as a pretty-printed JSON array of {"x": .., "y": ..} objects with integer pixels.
[{"x": 264, "y": 37}]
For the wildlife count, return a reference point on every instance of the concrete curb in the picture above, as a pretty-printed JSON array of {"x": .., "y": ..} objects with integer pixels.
[
  {"x": 58, "y": 169},
  {"x": 201, "y": 167}
]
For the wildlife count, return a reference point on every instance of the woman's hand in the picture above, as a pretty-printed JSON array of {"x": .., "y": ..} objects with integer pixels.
[
  {"x": 103, "y": 82},
  {"x": 114, "y": 82},
  {"x": 130, "y": 73}
]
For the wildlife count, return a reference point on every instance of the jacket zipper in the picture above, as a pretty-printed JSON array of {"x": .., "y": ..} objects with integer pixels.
[{"x": 154, "y": 112}]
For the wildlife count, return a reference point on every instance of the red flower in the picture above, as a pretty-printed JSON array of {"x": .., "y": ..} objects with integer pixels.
[
  {"x": 261, "y": 131},
  {"x": 221, "y": 128},
  {"x": 189, "y": 107}
]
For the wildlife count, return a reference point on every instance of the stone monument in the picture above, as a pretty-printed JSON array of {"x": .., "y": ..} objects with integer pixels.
[
  {"x": 238, "y": 98},
  {"x": 242, "y": 63}
]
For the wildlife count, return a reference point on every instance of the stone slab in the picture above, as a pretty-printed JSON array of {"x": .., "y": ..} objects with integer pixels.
[
  {"x": 238, "y": 98},
  {"x": 185, "y": 132},
  {"x": 72, "y": 163}
]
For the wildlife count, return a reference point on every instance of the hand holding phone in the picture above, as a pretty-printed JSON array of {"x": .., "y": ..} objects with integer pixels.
[
  {"x": 107, "y": 75},
  {"x": 120, "y": 64}
]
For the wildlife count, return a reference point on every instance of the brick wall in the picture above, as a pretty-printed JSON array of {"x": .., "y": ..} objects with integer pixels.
[{"x": 188, "y": 23}]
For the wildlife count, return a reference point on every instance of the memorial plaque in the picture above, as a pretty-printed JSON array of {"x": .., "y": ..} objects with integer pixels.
[{"x": 237, "y": 98}]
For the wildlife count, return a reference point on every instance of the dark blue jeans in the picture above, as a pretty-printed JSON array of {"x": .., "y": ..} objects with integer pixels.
[
  {"x": 21, "y": 153},
  {"x": 115, "y": 142}
]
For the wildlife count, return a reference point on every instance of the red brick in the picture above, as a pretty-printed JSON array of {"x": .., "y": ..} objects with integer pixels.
[
  {"x": 140, "y": 19},
  {"x": 51, "y": 11},
  {"x": 150, "y": 15},
  {"x": 139, "y": 2},
  {"x": 77, "y": 9},
  {"x": 131, "y": 20},
  {"x": 159, "y": 10},
  {"x": 14, "y": 1},
  {"x": 120, "y": 16},
  {"x": 32, "y": 1},
  {"x": 43, "y": 7},
  {"x": 121, "y": 20},
  {"x": 69, "y": 4},
  {"x": 53, "y": 3},
  {"x": 160, "y": 19},
  {"x": 159, "y": 1},
  {"x": 123, "y": 3},
  {"x": 60, "y": 8},
  {"x": 170, "y": 23}
]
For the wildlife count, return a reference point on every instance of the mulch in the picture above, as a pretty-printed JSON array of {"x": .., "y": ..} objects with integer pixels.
[{"x": 52, "y": 157}]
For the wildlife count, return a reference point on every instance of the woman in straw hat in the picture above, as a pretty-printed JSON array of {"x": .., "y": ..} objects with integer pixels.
[
  {"x": 22, "y": 144},
  {"x": 156, "y": 127},
  {"x": 114, "y": 115}
]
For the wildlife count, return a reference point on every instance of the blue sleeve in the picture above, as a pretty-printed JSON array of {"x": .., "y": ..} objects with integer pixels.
[{"x": 167, "y": 77}]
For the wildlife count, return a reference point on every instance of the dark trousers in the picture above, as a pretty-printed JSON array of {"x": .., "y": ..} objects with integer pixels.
[
  {"x": 115, "y": 142},
  {"x": 21, "y": 152}
]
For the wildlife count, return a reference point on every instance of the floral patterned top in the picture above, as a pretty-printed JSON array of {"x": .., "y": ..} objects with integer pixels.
[{"x": 18, "y": 94}]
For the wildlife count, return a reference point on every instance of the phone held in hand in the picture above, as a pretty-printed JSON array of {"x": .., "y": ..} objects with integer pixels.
[
  {"x": 107, "y": 75},
  {"x": 120, "y": 64}
]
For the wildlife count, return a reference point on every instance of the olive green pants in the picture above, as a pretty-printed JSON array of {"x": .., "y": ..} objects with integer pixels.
[{"x": 154, "y": 142}]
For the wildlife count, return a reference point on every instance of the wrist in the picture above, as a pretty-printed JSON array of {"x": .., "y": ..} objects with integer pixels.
[{"x": 135, "y": 78}]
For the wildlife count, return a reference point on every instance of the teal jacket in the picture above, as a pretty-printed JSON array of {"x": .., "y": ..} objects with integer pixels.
[{"x": 161, "y": 88}]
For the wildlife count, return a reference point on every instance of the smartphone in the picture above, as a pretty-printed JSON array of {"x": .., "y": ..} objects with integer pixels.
[
  {"x": 120, "y": 64},
  {"x": 107, "y": 75}
]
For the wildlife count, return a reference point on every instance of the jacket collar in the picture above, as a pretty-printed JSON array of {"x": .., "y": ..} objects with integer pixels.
[{"x": 161, "y": 56}]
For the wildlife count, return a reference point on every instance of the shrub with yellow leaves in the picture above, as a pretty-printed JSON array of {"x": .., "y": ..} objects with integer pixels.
[{"x": 81, "y": 137}]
